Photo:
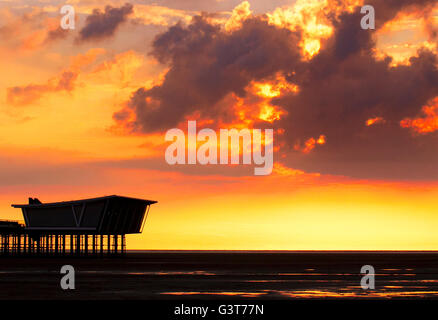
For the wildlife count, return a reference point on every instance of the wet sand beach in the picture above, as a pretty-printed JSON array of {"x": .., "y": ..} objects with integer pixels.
[{"x": 224, "y": 275}]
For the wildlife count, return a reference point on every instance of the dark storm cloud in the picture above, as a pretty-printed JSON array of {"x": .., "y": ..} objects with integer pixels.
[
  {"x": 100, "y": 25},
  {"x": 206, "y": 64},
  {"x": 340, "y": 88},
  {"x": 349, "y": 38},
  {"x": 338, "y": 106}
]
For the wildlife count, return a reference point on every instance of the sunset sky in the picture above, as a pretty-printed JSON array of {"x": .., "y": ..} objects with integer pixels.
[{"x": 83, "y": 113}]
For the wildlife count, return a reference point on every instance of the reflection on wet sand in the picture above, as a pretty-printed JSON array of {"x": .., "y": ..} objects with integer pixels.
[
  {"x": 152, "y": 273},
  {"x": 311, "y": 283},
  {"x": 308, "y": 294},
  {"x": 368, "y": 294},
  {"x": 338, "y": 292},
  {"x": 228, "y": 275},
  {"x": 222, "y": 293}
]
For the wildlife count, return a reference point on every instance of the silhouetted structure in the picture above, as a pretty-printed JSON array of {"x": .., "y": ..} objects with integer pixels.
[{"x": 83, "y": 227}]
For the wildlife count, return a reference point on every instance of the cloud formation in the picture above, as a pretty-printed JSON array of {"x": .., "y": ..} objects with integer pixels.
[
  {"x": 21, "y": 95},
  {"x": 206, "y": 64},
  {"x": 103, "y": 24},
  {"x": 340, "y": 87},
  {"x": 30, "y": 30},
  {"x": 65, "y": 81}
]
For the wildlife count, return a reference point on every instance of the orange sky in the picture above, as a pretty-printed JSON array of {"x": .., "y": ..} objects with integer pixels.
[{"x": 60, "y": 141}]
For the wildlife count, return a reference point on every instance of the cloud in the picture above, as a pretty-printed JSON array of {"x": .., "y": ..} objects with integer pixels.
[
  {"x": 427, "y": 123},
  {"x": 386, "y": 10},
  {"x": 56, "y": 34},
  {"x": 160, "y": 15},
  {"x": 30, "y": 93},
  {"x": 340, "y": 87},
  {"x": 431, "y": 24},
  {"x": 103, "y": 24},
  {"x": 31, "y": 30},
  {"x": 120, "y": 69},
  {"x": 65, "y": 81},
  {"x": 206, "y": 64}
]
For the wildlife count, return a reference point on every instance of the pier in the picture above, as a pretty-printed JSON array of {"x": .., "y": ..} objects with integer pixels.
[{"x": 89, "y": 227}]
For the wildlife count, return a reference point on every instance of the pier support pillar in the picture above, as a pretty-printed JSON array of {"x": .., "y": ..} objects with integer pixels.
[
  {"x": 78, "y": 244},
  {"x": 24, "y": 243},
  {"x": 56, "y": 244},
  {"x": 38, "y": 248}
]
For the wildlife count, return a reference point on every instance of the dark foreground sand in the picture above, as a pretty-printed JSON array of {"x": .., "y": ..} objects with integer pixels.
[{"x": 207, "y": 275}]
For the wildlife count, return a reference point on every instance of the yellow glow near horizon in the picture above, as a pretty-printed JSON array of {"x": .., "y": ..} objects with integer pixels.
[{"x": 320, "y": 218}]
